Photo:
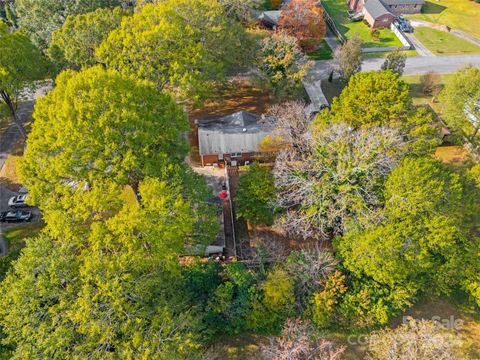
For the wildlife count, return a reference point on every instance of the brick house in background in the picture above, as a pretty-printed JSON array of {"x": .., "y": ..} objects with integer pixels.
[
  {"x": 232, "y": 139},
  {"x": 381, "y": 13},
  {"x": 377, "y": 15}
]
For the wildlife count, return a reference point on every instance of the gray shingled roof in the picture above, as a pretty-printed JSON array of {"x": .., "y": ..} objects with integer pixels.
[
  {"x": 271, "y": 16},
  {"x": 403, "y": 2},
  {"x": 239, "y": 132},
  {"x": 375, "y": 8}
]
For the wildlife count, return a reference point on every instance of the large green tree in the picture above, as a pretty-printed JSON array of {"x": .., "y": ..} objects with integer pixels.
[
  {"x": 21, "y": 64},
  {"x": 183, "y": 45},
  {"x": 97, "y": 125},
  {"x": 381, "y": 98},
  {"x": 461, "y": 101},
  {"x": 282, "y": 62},
  {"x": 39, "y": 18},
  {"x": 255, "y": 195},
  {"x": 112, "y": 292},
  {"x": 371, "y": 99},
  {"x": 423, "y": 242},
  {"x": 74, "y": 43}
]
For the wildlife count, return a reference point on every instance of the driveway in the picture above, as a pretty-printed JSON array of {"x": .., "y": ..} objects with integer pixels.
[{"x": 8, "y": 139}]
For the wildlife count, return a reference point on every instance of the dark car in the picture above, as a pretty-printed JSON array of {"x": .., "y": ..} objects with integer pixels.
[{"x": 16, "y": 216}]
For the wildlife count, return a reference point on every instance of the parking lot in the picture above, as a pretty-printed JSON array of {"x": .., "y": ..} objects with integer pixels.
[{"x": 5, "y": 195}]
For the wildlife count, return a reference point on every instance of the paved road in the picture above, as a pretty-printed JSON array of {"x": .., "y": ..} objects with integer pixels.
[
  {"x": 414, "y": 65},
  {"x": 423, "y": 65}
]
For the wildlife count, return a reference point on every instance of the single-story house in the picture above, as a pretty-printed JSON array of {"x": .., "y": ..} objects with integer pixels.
[
  {"x": 398, "y": 7},
  {"x": 381, "y": 13},
  {"x": 377, "y": 15},
  {"x": 232, "y": 139}
]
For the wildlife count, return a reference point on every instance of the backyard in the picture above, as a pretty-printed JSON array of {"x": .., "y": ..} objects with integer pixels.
[
  {"x": 443, "y": 43},
  {"x": 457, "y": 14},
  {"x": 337, "y": 9}
]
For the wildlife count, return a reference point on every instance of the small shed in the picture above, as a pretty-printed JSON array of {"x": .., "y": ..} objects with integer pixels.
[
  {"x": 377, "y": 14},
  {"x": 269, "y": 19},
  {"x": 232, "y": 139}
]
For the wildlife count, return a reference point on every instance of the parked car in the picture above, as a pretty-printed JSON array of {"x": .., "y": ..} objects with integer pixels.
[
  {"x": 403, "y": 26},
  {"x": 16, "y": 216},
  {"x": 18, "y": 201}
]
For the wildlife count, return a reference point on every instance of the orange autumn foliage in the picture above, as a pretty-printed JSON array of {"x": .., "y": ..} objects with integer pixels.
[{"x": 304, "y": 20}]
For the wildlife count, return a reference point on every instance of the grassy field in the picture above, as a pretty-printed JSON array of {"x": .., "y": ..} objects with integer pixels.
[
  {"x": 443, "y": 43},
  {"x": 457, "y": 14},
  {"x": 322, "y": 53},
  {"x": 337, "y": 9},
  {"x": 419, "y": 98},
  {"x": 376, "y": 55},
  {"x": 16, "y": 237}
]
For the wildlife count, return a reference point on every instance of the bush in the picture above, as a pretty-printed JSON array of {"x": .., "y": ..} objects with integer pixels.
[
  {"x": 430, "y": 83},
  {"x": 255, "y": 195}
]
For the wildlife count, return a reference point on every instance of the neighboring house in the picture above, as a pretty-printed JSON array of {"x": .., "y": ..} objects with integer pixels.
[
  {"x": 232, "y": 139},
  {"x": 381, "y": 13},
  {"x": 377, "y": 15},
  {"x": 398, "y": 7},
  {"x": 269, "y": 19}
]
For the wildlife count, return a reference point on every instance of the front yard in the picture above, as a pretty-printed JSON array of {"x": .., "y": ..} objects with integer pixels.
[
  {"x": 457, "y": 14},
  {"x": 337, "y": 9},
  {"x": 443, "y": 43}
]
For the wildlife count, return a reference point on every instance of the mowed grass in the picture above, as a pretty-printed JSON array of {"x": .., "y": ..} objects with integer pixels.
[
  {"x": 383, "y": 54},
  {"x": 458, "y": 14},
  {"x": 443, "y": 43},
  {"x": 16, "y": 236},
  {"x": 322, "y": 53},
  {"x": 337, "y": 9}
]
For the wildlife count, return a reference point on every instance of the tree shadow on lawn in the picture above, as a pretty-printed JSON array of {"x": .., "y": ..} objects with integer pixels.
[{"x": 432, "y": 8}]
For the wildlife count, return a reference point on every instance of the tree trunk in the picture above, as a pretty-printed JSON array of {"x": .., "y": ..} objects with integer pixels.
[{"x": 16, "y": 121}]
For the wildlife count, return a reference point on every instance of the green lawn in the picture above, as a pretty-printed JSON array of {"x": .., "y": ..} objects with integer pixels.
[
  {"x": 376, "y": 55},
  {"x": 458, "y": 14},
  {"x": 322, "y": 53},
  {"x": 337, "y": 9},
  {"x": 443, "y": 43},
  {"x": 16, "y": 237}
]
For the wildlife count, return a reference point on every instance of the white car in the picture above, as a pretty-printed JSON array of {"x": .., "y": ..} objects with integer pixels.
[{"x": 18, "y": 201}]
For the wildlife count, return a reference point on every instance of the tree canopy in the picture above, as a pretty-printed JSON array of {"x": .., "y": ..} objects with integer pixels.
[
  {"x": 74, "y": 43},
  {"x": 337, "y": 179},
  {"x": 39, "y": 18},
  {"x": 182, "y": 45},
  {"x": 282, "y": 62},
  {"x": 255, "y": 195},
  {"x": 95, "y": 127},
  {"x": 371, "y": 99},
  {"x": 461, "y": 101},
  {"x": 303, "y": 19},
  {"x": 423, "y": 240},
  {"x": 21, "y": 64},
  {"x": 112, "y": 292}
]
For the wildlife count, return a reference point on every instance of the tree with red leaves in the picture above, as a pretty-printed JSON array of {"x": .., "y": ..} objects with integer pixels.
[{"x": 304, "y": 20}]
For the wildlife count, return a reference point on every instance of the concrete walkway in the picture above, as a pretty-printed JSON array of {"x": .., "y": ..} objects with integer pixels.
[{"x": 332, "y": 40}]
